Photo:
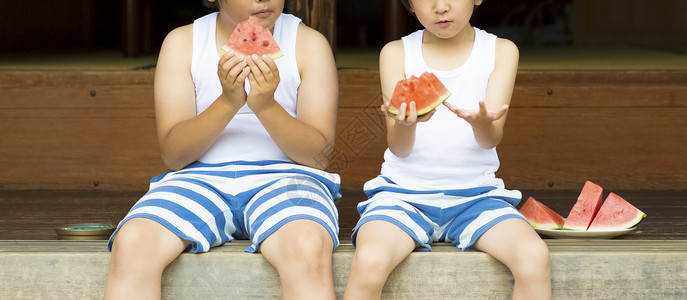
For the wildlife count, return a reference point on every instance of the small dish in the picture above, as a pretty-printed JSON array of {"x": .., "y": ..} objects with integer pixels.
[
  {"x": 84, "y": 231},
  {"x": 583, "y": 234}
]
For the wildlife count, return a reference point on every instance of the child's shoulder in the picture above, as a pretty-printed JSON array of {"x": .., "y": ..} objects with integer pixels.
[
  {"x": 393, "y": 49},
  {"x": 180, "y": 35},
  {"x": 311, "y": 44},
  {"x": 506, "y": 49},
  {"x": 308, "y": 35},
  {"x": 177, "y": 47},
  {"x": 505, "y": 44}
]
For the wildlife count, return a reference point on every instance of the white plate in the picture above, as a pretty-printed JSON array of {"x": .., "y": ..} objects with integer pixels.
[{"x": 583, "y": 234}]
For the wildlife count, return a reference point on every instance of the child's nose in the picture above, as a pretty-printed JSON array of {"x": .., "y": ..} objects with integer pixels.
[{"x": 441, "y": 6}]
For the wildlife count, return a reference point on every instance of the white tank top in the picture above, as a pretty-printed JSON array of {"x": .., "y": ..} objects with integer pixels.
[
  {"x": 446, "y": 154},
  {"x": 244, "y": 138}
]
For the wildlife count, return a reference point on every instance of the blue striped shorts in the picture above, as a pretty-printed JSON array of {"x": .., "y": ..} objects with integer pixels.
[
  {"x": 457, "y": 216},
  {"x": 210, "y": 204}
]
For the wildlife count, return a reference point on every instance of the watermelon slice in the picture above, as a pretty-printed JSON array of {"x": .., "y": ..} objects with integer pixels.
[
  {"x": 249, "y": 37},
  {"x": 427, "y": 92},
  {"x": 616, "y": 213},
  {"x": 586, "y": 207},
  {"x": 540, "y": 216}
]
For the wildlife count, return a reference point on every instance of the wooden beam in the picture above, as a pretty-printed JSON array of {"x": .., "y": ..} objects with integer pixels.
[{"x": 395, "y": 20}]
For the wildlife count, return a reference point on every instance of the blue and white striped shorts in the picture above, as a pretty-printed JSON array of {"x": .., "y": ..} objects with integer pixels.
[
  {"x": 458, "y": 216},
  {"x": 210, "y": 204}
]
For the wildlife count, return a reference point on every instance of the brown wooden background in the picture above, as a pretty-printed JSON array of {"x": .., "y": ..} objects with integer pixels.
[{"x": 96, "y": 130}]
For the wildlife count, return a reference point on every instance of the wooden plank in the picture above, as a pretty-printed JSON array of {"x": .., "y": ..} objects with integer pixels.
[
  {"x": 622, "y": 128},
  {"x": 621, "y": 148},
  {"x": 78, "y": 130},
  {"x": 34, "y": 214},
  {"x": 78, "y": 148},
  {"x": 360, "y": 145},
  {"x": 554, "y": 88},
  {"x": 585, "y": 270},
  {"x": 600, "y": 89}
]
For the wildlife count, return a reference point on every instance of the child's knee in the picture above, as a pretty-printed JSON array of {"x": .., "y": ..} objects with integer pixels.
[
  {"x": 372, "y": 262},
  {"x": 143, "y": 240},
  {"x": 311, "y": 244},
  {"x": 129, "y": 238},
  {"x": 533, "y": 258}
]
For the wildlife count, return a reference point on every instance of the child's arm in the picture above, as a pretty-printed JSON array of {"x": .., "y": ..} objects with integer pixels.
[
  {"x": 309, "y": 138},
  {"x": 487, "y": 123},
  {"x": 183, "y": 136},
  {"x": 400, "y": 128}
]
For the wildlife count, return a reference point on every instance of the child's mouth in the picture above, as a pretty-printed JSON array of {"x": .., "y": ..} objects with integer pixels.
[
  {"x": 263, "y": 13},
  {"x": 444, "y": 23}
]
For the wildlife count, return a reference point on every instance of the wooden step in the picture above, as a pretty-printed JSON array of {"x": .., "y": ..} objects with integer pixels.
[{"x": 580, "y": 269}]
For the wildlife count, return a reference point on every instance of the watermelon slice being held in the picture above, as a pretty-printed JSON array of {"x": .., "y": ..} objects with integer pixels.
[
  {"x": 249, "y": 37},
  {"x": 540, "y": 216},
  {"x": 616, "y": 214},
  {"x": 586, "y": 207},
  {"x": 426, "y": 91}
]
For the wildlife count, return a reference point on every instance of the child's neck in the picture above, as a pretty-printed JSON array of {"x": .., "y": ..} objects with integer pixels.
[{"x": 450, "y": 53}]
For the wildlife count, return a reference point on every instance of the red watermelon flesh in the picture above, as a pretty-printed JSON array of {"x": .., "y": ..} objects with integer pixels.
[
  {"x": 616, "y": 213},
  {"x": 586, "y": 207},
  {"x": 540, "y": 216},
  {"x": 249, "y": 37},
  {"x": 427, "y": 92}
]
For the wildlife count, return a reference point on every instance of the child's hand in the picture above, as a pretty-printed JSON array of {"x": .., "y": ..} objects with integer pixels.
[
  {"x": 481, "y": 117},
  {"x": 401, "y": 117},
  {"x": 232, "y": 71},
  {"x": 264, "y": 79}
]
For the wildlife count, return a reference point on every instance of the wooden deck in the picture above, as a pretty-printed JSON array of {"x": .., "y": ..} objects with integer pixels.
[{"x": 33, "y": 215}]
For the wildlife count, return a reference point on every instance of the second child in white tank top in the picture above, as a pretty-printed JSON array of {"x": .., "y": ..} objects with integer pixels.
[{"x": 445, "y": 154}]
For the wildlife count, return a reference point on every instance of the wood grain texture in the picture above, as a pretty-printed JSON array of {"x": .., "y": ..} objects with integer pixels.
[
  {"x": 33, "y": 215},
  {"x": 68, "y": 129},
  {"x": 579, "y": 270}
]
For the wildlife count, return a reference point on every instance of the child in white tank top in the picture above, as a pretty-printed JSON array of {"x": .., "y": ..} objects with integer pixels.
[
  {"x": 437, "y": 181},
  {"x": 247, "y": 140}
]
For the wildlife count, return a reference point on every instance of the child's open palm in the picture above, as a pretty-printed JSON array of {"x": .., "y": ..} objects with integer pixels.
[
  {"x": 478, "y": 118},
  {"x": 264, "y": 79}
]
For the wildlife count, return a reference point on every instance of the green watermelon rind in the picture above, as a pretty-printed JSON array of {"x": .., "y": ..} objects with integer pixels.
[
  {"x": 549, "y": 226},
  {"x": 429, "y": 108},
  {"x": 626, "y": 225},
  {"x": 574, "y": 228},
  {"x": 535, "y": 212},
  {"x": 618, "y": 206}
]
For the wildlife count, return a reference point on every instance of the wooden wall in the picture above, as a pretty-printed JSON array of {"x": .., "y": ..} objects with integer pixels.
[
  {"x": 96, "y": 130},
  {"x": 658, "y": 23}
]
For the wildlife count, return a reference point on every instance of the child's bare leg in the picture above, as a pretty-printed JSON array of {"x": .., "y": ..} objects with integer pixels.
[
  {"x": 380, "y": 247},
  {"x": 517, "y": 245},
  {"x": 301, "y": 251},
  {"x": 140, "y": 252}
]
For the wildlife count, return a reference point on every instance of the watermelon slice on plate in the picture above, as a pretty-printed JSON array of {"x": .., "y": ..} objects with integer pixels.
[
  {"x": 249, "y": 37},
  {"x": 427, "y": 92},
  {"x": 616, "y": 213},
  {"x": 586, "y": 207},
  {"x": 540, "y": 216}
]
